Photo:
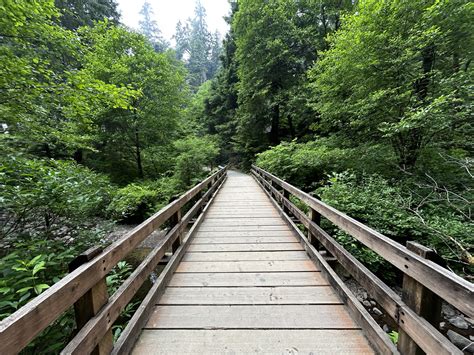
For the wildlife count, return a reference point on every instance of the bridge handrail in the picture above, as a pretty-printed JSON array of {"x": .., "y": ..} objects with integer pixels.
[
  {"x": 20, "y": 328},
  {"x": 449, "y": 286}
]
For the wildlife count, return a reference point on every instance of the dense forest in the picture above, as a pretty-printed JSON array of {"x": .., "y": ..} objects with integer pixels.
[{"x": 366, "y": 104}]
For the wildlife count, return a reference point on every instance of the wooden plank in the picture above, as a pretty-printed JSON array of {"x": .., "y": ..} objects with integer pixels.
[
  {"x": 321, "y": 342},
  {"x": 246, "y": 266},
  {"x": 240, "y": 222},
  {"x": 248, "y": 279},
  {"x": 17, "y": 330},
  {"x": 243, "y": 240},
  {"x": 248, "y": 295},
  {"x": 238, "y": 234},
  {"x": 419, "y": 329},
  {"x": 244, "y": 256},
  {"x": 377, "y": 337},
  {"x": 238, "y": 228},
  {"x": 245, "y": 247},
  {"x": 446, "y": 284},
  {"x": 251, "y": 317},
  {"x": 89, "y": 335},
  {"x": 132, "y": 331}
]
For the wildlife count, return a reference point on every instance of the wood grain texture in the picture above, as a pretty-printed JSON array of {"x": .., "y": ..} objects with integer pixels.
[
  {"x": 251, "y": 317},
  {"x": 249, "y": 295},
  {"x": 321, "y": 342},
  {"x": 248, "y": 279},
  {"x": 246, "y": 266},
  {"x": 213, "y": 247},
  {"x": 238, "y": 234},
  {"x": 246, "y": 255}
]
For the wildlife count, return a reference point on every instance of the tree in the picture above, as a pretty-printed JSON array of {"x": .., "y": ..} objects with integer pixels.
[
  {"x": 197, "y": 47},
  {"x": 47, "y": 104},
  {"x": 137, "y": 139},
  {"x": 277, "y": 42},
  {"x": 398, "y": 73},
  {"x": 149, "y": 28},
  {"x": 77, "y": 13}
]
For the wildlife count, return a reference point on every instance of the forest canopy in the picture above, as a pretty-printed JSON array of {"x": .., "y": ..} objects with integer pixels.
[{"x": 366, "y": 104}]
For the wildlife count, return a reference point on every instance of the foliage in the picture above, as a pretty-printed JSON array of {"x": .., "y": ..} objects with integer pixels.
[
  {"x": 399, "y": 72},
  {"x": 149, "y": 28},
  {"x": 197, "y": 47},
  {"x": 393, "y": 335},
  {"x": 305, "y": 165},
  {"x": 195, "y": 153},
  {"x": 133, "y": 203},
  {"x": 48, "y": 198},
  {"x": 77, "y": 13}
]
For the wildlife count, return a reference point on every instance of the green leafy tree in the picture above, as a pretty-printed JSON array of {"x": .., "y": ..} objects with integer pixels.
[
  {"x": 399, "y": 72},
  {"x": 150, "y": 123},
  {"x": 77, "y": 13}
]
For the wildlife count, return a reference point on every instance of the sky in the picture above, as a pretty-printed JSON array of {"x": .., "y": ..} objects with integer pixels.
[{"x": 169, "y": 12}]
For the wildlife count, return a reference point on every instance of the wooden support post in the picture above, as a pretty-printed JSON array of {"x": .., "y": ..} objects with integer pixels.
[
  {"x": 175, "y": 219},
  {"x": 315, "y": 217},
  {"x": 92, "y": 301},
  {"x": 420, "y": 299},
  {"x": 286, "y": 195}
]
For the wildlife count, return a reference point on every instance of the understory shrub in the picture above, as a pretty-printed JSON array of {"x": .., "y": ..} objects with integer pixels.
[
  {"x": 305, "y": 165},
  {"x": 44, "y": 198}
]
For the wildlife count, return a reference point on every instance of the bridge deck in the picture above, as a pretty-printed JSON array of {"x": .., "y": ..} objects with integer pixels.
[{"x": 246, "y": 285}]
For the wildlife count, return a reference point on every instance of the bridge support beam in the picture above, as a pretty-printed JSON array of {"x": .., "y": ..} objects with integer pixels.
[
  {"x": 420, "y": 299},
  {"x": 92, "y": 301}
]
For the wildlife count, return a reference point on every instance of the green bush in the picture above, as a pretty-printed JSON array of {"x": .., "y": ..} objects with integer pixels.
[
  {"x": 375, "y": 202},
  {"x": 48, "y": 198},
  {"x": 195, "y": 154},
  {"x": 133, "y": 203},
  {"x": 305, "y": 165}
]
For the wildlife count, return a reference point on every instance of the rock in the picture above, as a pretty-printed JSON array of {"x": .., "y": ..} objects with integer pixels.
[
  {"x": 366, "y": 304},
  {"x": 364, "y": 295},
  {"x": 373, "y": 303},
  {"x": 471, "y": 337},
  {"x": 460, "y": 341},
  {"x": 459, "y": 322},
  {"x": 359, "y": 298},
  {"x": 442, "y": 325},
  {"x": 377, "y": 311},
  {"x": 385, "y": 328},
  {"x": 448, "y": 311}
]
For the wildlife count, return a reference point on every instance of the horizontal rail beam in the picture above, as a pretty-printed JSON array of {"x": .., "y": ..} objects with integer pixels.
[
  {"x": 91, "y": 334},
  {"x": 17, "y": 330},
  {"x": 449, "y": 286},
  {"x": 420, "y": 330}
]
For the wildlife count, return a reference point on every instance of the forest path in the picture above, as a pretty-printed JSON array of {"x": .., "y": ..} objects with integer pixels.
[{"x": 246, "y": 285}]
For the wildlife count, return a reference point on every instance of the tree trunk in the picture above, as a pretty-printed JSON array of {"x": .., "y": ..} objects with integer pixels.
[
  {"x": 138, "y": 155},
  {"x": 275, "y": 130}
]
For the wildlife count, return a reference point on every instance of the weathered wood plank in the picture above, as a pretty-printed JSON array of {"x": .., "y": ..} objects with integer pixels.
[
  {"x": 238, "y": 228},
  {"x": 321, "y": 342},
  {"x": 249, "y": 295},
  {"x": 243, "y": 240},
  {"x": 251, "y": 317},
  {"x": 241, "y": 222},
  {"x": 248, "y": 279},
  {"x": 245, "y": 256},
  {"x": 246, "y": 266},
  {"x": 245, "y": 247},
  {"x": 243, "y": 233},
  {"x": 446, "y": 284}
]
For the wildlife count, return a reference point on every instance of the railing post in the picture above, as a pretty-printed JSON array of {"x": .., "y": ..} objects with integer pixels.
[
  {"x": 92, "y": 301},
  {"x": 315, "y": 217},
  {"x": 175, "y": 219},
  {"x": 286, "y": 195},
  {"x": 420, "y": 299}
]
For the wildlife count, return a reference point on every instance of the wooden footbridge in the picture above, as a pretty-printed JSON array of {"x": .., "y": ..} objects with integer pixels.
[{"x": 247, "y": 271}]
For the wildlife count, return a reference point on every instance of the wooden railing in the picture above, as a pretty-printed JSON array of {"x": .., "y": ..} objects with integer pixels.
[
  {"x": 85, "y": 289},
  {"x": 418, "y": 311}
]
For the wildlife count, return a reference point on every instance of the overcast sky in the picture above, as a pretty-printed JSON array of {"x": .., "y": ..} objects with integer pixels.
[{"x": 169, "y": 12}]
